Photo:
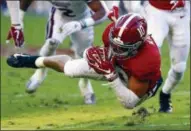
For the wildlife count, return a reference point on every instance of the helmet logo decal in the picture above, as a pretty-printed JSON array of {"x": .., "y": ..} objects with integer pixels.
[{"x": 125, "y": 24}]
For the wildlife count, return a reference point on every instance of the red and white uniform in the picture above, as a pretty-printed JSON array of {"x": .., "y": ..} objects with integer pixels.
[
  {"x": 144, "y": 66},
  {"x": 161, "y": 21},
  {"x": 161, "y": 4},
  {"x": 138, "y": 66}
]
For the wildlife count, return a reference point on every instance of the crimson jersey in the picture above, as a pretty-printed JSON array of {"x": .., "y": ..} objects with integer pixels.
[
  {"x": 162, "y": 4},
  {"x": 145, "y": 65}
]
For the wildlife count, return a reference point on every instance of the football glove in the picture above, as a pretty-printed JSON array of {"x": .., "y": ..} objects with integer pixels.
[
  {"x": 17, "y": 34},
  {"x": 97, "y": 59}
]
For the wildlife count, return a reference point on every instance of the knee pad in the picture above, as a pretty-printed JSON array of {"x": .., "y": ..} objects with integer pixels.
[
  {"x": 52, "y": 43},
  {"x": 179, "y": 67},
  {"x": 76, "y": 68},
  {"x": 85, "y": 52},
  {"x": 49, "y": 47},
  {"x": 178, "y": 70}
]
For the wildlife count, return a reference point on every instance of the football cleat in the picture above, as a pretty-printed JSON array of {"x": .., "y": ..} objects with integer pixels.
[
  {"x": 22, "y": 60},
  {"x": 36, "y": 79},
  {"x": 89, "y": 99},
  {"x": 165, "y": 103}
]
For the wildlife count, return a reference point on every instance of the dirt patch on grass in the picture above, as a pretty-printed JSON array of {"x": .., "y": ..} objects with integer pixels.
[
  {"x": 138, "y": 117},
  {"x": 7, "y": 50}
]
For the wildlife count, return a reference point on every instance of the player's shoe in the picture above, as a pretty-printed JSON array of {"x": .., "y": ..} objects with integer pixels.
[
  {"x": 87, "y": 91},
  {"x": 89, "y": 99},
  {"x": 36, "y": 79},
  {"x": 22, "y": 61},
  {"x": 165, "y": 103}
]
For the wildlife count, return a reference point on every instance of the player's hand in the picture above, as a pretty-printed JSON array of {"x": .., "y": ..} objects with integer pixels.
[
  {"x": 177, "y": 4},
  {"x": 17, "y": 34},
  {"x": 71, "y": 27},
  {"x": 114, "y": 14},
  {"x": 97, "y": 59}
]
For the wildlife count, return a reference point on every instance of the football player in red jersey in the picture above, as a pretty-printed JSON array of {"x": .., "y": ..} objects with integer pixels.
[
  {"x": 129, "y": 61},
  {"x": 171, "y": 19},
  {"x": 16, "y": 30}
]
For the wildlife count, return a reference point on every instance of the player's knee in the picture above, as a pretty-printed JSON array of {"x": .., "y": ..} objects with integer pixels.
[
  {"x": 52, "y": 43},
  {"x": 179, "y": 67},
  {"x": 68, "y": 71},
  {"x": 76, "y": 68},
  {"x": 178, "y": 70}
]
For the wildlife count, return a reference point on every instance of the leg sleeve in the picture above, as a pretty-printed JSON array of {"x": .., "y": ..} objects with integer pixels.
[
  {"x": 79, "y": 68},
  {"x": 82, "y": 40},
  {"x": 179, "y": 49}
]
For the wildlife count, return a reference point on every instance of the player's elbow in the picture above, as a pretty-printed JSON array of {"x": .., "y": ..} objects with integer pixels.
[
  {"x": 129, "y": 105},
  {"x": 103, "y": 12},
  {"x": 100, "y": 15}
]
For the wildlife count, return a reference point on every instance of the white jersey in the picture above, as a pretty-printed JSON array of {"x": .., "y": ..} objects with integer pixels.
[{"x": 72, "y": 9}]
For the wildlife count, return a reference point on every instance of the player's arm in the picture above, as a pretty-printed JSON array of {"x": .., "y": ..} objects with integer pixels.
[
  {"x": 13, "y": 7},
  {"x": 139, "y": 87},
  {"x": 98, "y": 16},
  {"x": 24, "y": 5}
]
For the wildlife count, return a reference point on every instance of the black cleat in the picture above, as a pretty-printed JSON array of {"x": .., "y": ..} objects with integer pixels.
[
  {"x": 165, "y": 103},
  {"x": 22, "y": 60}
]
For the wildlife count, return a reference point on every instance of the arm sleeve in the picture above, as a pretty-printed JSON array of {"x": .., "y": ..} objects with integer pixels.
[
  {"x": 14, "y": 7},
  {"x": 98, "y": 16}
]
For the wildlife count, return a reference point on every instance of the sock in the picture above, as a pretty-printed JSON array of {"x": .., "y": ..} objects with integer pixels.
[
  {"x": 85, "y": 86},
  {"x": 170, "y": 82},
  {"x": 49, "y": 48},
  {"x": 40, "y": 62}
]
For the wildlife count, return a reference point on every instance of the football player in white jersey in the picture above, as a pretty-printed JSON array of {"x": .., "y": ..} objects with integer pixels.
[
  {"x": 76, "y": 20},
  {"x": 171, "y": 19}
]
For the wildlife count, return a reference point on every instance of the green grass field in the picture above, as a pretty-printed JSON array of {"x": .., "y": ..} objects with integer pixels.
[{"x": 58, "y": 105}]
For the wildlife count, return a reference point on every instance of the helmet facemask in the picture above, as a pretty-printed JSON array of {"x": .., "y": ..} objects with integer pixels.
[{"x": 121, "y": 49}]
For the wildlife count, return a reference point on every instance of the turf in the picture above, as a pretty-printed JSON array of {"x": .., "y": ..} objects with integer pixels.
[{"x": 58, "y": 105}]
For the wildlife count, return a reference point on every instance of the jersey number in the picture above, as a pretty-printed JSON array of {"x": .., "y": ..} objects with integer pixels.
[
  {"x": 141, "y": 31},
  {"x": 67, "y": 12}
]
